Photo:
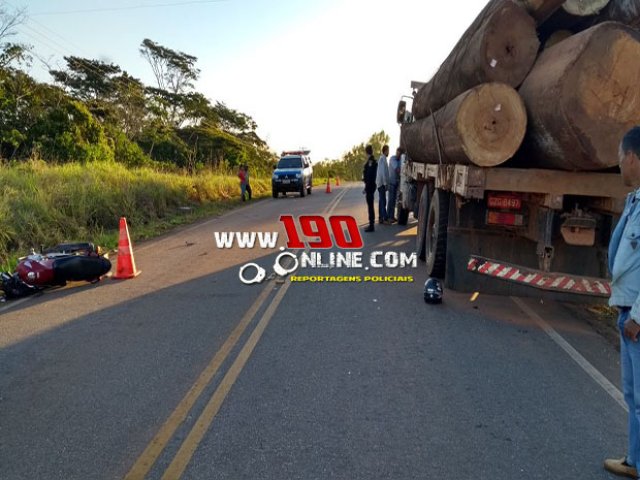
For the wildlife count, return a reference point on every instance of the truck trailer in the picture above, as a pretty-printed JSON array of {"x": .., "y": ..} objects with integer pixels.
[{"x": 508, "y": 230}]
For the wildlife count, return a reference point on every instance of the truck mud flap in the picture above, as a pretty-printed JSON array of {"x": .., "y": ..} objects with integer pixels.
[{"x": 550, "y": 281}]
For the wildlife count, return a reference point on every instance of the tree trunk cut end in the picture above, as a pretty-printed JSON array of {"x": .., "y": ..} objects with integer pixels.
[
  {"x": 583, "y": 8},
  {"x": 491, "y": 122}
]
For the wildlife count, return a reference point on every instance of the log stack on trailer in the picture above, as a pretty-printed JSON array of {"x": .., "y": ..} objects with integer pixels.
[{"x": 502, "y": 113}]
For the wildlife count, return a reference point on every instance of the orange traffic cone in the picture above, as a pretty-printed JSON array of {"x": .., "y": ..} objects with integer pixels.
[
  {"x": 126, "y": 267},
  {"x": 328, "y": 190},
  {"x": 337, "y": 181}
]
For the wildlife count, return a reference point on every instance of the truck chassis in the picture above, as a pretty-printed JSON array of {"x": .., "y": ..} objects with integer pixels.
[{"x": 478, "y": 226}]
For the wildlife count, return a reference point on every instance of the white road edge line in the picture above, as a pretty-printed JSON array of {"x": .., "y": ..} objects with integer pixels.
[
  {"x": 14, "y": 303},
  {"x": 598, "y": 377}
]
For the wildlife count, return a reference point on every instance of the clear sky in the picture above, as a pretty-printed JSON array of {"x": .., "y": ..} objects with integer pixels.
[{"x": 323, "y": 74}]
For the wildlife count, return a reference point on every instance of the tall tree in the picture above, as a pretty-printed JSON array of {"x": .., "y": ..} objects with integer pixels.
[
  {"x": 10, "y": 51},
  {"x": 175, "y": 74},
  {"x": 129, "y": 105},
  {"x": 233, "y": 121},
  {"x": 351, "y": 163},
  {"x": 88, "y": 80},
  {"x": 175, "y": 71}
]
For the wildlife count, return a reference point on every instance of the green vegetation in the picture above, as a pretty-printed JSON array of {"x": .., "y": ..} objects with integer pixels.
[
  {"x": 95, "y": 111},
  {"x": 350, "y": 166},
  {"x": 42, "y": 204},
  {"x": 98, "y": 144}
]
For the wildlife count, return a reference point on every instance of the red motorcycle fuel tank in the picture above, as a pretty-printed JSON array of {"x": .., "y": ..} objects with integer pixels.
[{"x": 36, "y": 270}]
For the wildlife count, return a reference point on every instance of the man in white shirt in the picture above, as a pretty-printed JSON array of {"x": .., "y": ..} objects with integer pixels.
[
  {"x": 394, "y": 180},
  {"x": 382, "y": 182}
]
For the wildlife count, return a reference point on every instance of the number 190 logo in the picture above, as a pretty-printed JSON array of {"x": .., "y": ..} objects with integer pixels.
[{"x": 319, "y": 234}]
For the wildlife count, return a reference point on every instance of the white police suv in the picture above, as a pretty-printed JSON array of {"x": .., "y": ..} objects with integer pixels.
[{"x": 293, "y": 173}]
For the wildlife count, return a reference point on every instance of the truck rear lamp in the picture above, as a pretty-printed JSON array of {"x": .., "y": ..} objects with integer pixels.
[
  {"x": 505, "y": 218},
  {"x": 504, "y": 202}
]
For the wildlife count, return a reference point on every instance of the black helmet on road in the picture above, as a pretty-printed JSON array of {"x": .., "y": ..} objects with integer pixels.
[{"x": 433, "y": 291}]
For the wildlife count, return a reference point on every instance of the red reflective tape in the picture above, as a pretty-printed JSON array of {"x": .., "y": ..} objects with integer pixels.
[
  {"x": 515, "y": 275},
  {"x": 493, "y": 268},
  {"x": 497, "y": 271},
  {"x": 504, "y": 272},
  {"x": 485, "y": 267},
  {"x": 604, "y": 287},
  {"x": 544, "y": 282}
]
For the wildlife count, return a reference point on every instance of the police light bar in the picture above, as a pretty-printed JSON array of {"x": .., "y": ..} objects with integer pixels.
[{"x": 297, "y": 152}]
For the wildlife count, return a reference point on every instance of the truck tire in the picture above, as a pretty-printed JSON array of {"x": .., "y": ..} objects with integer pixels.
[
  {"x": 403, "y": 216},
  {"x": 303, "y": 190},
  {"x": 274, "y": 193},
  {"x": 436, "y": 234},
  {"x": 423, "y": 213}
]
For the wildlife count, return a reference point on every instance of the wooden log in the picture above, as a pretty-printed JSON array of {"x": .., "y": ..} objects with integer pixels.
[
  {"x": 556, "y": 37},
  {"x": 499, "y": 46},
  {"x": 624, "y": 11},
  {"x": 581, "y": 97},
  {"x": 483, "y": 126},
  {"x": 540, "y": 10},
  {"x": 584, "y": 8}
]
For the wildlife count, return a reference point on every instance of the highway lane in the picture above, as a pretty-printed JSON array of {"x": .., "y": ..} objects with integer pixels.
[{"x": 185, "y": 371}]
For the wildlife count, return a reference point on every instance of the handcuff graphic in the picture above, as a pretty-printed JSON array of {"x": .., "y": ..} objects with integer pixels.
[{"x": 278, "y": 269}]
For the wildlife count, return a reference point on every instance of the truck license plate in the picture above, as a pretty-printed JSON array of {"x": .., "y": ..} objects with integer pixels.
[{"x": 504, "y": 202}]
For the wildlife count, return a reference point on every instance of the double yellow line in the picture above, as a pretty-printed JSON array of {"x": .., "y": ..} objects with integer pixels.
[{"x": 148, "y": 458}]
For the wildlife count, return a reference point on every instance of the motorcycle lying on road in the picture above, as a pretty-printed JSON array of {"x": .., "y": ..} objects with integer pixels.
[{"x": 66, "y": 262}]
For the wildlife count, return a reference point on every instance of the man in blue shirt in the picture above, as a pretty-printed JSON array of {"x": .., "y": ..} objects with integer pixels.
[{"x": 624, "y": 264}]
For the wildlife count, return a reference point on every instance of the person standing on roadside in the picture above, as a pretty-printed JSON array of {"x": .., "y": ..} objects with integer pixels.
[
  {"x": 382, "y": 182},
  {"x": 624, "y": 265},
  {"x": 243, "y": 181},
  {"x": 369, "y": 174},
  {"x": 394, "y": 181},
  {"x": 246, "y": 180}
]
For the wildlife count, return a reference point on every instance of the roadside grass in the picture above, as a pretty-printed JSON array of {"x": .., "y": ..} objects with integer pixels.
[{"x": 43, "y": 204}]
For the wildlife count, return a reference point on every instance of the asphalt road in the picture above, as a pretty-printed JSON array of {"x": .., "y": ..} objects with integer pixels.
[{"x": 184, "y": 372}]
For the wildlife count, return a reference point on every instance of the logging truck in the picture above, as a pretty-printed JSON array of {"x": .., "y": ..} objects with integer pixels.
[
  {"x": 511, "y": 164},
  {"x": 502, "y": 229}
]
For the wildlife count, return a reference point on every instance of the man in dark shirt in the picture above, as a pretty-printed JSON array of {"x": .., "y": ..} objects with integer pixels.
[{"x": 369, "y": 178}]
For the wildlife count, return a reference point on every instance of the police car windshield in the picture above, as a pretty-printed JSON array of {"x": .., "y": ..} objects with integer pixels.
[{"x": 290, "y": 162}]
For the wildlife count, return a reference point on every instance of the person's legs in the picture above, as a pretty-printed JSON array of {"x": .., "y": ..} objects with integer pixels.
[
  {"x": 630, "y": 369},
  {"x": 249, "y": 190},
  {"x": 391, "y": 201},
  {"x": 243, "y": 189},
  {"x": 630, "y": 366},
  {"x": 382, "y": 204},
  {"x": 372, "y": 212}
]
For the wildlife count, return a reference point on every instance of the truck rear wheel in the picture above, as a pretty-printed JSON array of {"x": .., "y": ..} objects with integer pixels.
[
  {"x": 436, "y": 234},
  {"x": 423, "y": 213}
]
